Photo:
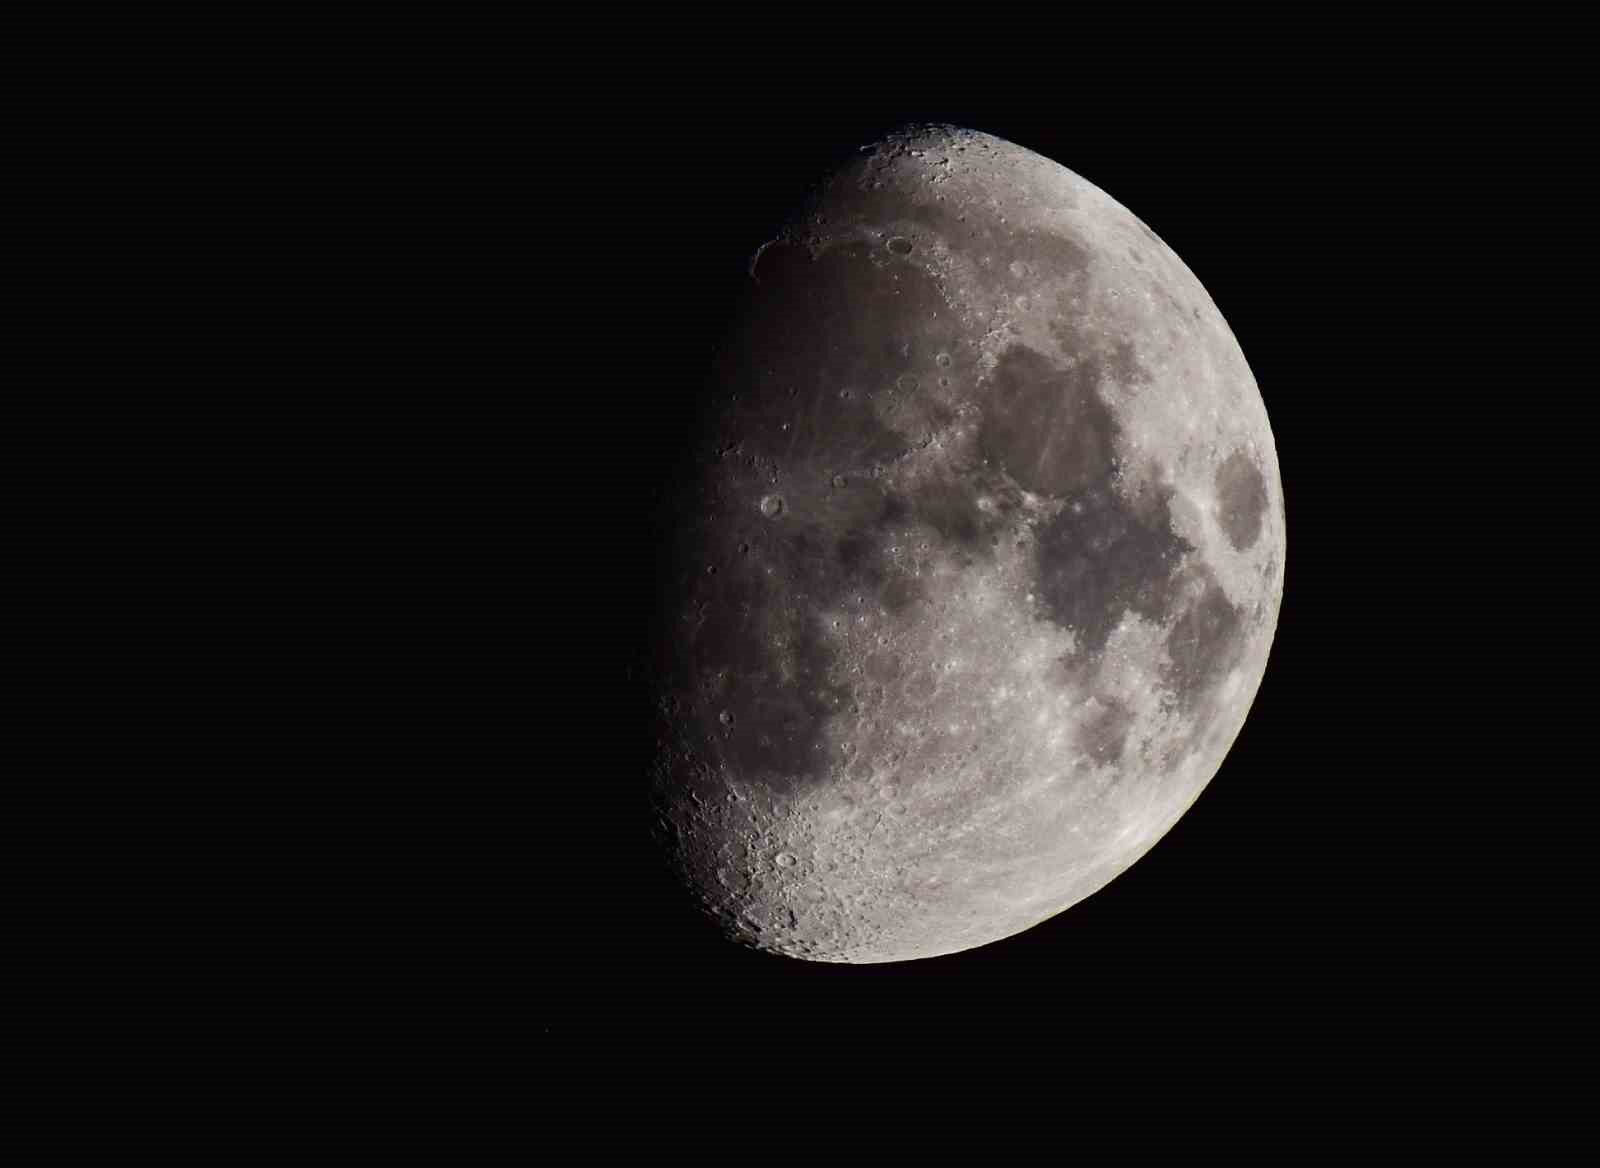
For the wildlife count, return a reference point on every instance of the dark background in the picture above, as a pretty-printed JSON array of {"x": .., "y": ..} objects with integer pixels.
[{"x": 350, "y": 374}]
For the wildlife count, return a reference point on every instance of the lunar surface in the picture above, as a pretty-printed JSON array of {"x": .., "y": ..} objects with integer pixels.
[{"x": 975, "y": 570}]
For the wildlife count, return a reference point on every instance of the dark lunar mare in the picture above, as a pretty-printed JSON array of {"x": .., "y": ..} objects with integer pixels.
[
  {"x": 1111, "y": 549},
  {"x": 1241, "y": 500},
  {"x": 820, "y": 346},
  {"x": 1100, "y": 558},
  {"x": 1203, "y": 644}
]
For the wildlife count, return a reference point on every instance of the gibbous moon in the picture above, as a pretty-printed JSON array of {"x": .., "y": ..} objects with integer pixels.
[{"x": 974, "y": 575}]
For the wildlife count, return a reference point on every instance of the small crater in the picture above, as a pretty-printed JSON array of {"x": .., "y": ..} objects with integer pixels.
[
  {"x": 772, "y": 506},
  {"x": 906, "y": 382},
  {"x": 784, "y": 860},
  {"x": 839, "y": 482},
  {"x": 900, "y": 245}
]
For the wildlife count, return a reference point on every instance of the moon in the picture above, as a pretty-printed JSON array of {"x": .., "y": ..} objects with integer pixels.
[{"x": 974, "y": 567}]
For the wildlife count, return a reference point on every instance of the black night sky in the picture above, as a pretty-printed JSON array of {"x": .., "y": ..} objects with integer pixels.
[{"x": 348, "y": 400}]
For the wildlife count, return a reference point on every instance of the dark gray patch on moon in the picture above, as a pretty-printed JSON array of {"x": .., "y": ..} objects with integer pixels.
[
  {"x": 795, "y": 397},
  {"x": 1103, "y": 556},
  {"x": 1106, "y": 733},
  {"x": 1124, "y": 367},
  {"x": 901, "y": 592},
  {"x": 998, "y": 245},
  {"x": 1241, "y": 500},
  {"x": 763, "y": 669},
  {"x": 792, "y": 397},
  {"x": 951, "y": 509},
  {"x": 1048, "y": 427},
  {"x": 1203, "y": 644},
  {"x": 790, "y": 393}
]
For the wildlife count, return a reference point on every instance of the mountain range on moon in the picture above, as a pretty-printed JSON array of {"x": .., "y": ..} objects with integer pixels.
[{"x": 971, "y": 577}]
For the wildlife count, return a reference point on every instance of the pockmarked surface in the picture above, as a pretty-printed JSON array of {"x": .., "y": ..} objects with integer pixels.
[{"x": 974, "y": 576}]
